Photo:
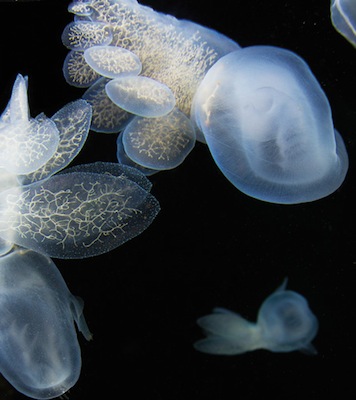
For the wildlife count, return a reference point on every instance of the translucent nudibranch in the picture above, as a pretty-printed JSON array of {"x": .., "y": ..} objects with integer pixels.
[
  {"x": 76, "y": 213},
  {"x": 284, "y": 323}
]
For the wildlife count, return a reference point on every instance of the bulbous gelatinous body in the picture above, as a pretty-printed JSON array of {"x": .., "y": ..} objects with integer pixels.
[
  {"x": 284, "y": 323},
  {"x": 268, "y": 125},
  {"x": 343, "y": 17},
  {"x": 39, "y": 349}
]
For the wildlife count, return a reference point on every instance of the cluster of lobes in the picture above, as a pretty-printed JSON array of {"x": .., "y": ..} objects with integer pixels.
[{"x": 141, "y": 69}]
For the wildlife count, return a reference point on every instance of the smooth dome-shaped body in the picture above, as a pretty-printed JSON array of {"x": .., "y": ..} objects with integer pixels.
[
  {"x": 163, "y": 145},
  {"x": 343, "y": 17},
  {"x": 285, "y": 323},
  {"x": 39, "y": 349},
  {"x": 268, "y": 126},
  {"x": 140, "y": 95}
]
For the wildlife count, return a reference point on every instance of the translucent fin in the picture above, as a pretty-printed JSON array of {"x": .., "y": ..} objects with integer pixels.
[
  {"x": 227, "y": 324},
  {"x": 77, "y": 306},
  {"x": 17, "y": 108},
  {"x": 219, "y": 345}
]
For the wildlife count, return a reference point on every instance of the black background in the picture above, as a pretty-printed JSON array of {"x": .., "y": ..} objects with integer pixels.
[{"x": 210, "y": 245}]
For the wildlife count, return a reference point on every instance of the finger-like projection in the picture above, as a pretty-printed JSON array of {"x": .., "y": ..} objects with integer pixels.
[
  {"x": 76, "y": 214},
  {"x": 268, "y": 126},
  {"x": 39, "y": 350},
  {"x": 284, "y": 323},
  {"x": 159, "y": 147},
  {"x": 343, "y": 17},
  {"x": 26, "y": 143}
]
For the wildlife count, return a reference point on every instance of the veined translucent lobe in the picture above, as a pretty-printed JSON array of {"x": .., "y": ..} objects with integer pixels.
[
  {"x": 114, "y": 169},
  {"x": 125, "y": 160},
  {"x": 80, "y": 8},
  {"x": 73, "y": 123},
  {"x": 160, "y": 143},
  {"x": 269, "y": 127},
  {"x": 39, "y": 350},
  {"x": 141, "y": 96},
  {"x": 76, "y": 214},
  {"x": 107, "y": 116},
  {"x": 77, "y": 72},
  {"x": 26, "y": 143},
  {"x": 175, "y": 52},
  {"x": 112, "y": 62},
  {"x": 81, "y": 35},
  {"x": 343, "y": 17}
]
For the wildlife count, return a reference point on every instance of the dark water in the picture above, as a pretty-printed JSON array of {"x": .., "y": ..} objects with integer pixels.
[{"x": 211, "y": 245}]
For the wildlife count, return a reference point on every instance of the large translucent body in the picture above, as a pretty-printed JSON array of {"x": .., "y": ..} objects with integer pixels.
[
  {"x": 268, "y": 125},
  {"x": 39, "y": 349}
]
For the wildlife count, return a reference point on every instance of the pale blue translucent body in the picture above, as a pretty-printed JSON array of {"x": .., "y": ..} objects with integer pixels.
[
  {"x": 343, "y": 17},
  {"x": 284, "y": 323},
  {"x": 39, "y": 349},
  {"x": 268, "y": 126}
]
